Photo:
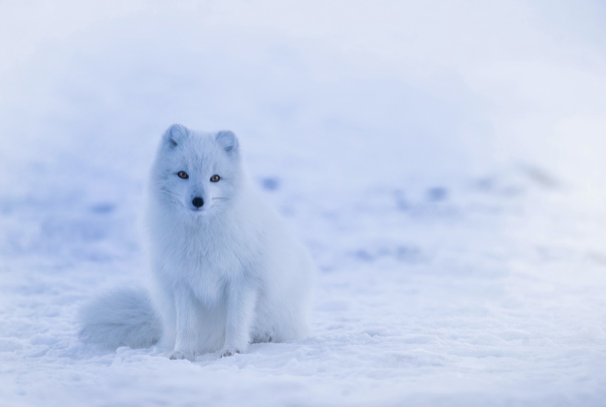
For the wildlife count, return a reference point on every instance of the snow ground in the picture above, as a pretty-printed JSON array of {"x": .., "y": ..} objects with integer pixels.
[{"x": 442, "y": 161}]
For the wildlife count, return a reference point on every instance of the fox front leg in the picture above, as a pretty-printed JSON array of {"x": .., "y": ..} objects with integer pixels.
[
  {"x": 240, "y": 307},
  {"x": 186, "y": 340}
]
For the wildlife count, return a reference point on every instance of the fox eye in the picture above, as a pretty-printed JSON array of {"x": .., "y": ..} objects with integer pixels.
[
  {"x": 215, "y": 178},
  {"x": 183, "y": 174}
]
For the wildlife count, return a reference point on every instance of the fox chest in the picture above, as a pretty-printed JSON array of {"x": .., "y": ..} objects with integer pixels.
[
  {"x": 206, "y": 268},
  {"x": 205, "y": 260}
]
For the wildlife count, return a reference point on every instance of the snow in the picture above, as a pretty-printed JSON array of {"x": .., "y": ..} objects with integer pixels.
[{"x": 443, "y": 162}]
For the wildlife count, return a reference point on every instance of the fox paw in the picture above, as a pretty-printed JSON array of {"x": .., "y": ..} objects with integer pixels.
[
  {"x": 229, "y": 351},
  {"x": 263, "y": 338},
  {"x": 178, "y": 355}
]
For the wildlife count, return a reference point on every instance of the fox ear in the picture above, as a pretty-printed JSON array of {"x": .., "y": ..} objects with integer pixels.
[
  {"x": 175, "y": 135},
  {"x": 227, "y": 140}
]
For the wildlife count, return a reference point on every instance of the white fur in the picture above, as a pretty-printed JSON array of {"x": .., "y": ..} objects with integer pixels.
[
  {"x": 226, "y": 274},
  {"x": 123, "y": 317}
]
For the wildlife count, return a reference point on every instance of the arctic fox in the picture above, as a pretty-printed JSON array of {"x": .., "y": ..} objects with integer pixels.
[{"x": 226, "y": 270}]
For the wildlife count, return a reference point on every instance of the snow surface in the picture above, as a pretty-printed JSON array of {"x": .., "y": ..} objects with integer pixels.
[{"x": 443, "y": 161}]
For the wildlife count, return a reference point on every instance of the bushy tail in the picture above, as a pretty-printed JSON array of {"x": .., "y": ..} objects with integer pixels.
[{"x": 125, "y": 317}]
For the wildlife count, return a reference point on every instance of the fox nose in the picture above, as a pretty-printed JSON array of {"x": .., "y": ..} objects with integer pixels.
[{"x": 197, "y": 202}]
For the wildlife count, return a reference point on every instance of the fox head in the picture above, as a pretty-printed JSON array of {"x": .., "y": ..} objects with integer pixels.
[{"x": 197, "y": 172}]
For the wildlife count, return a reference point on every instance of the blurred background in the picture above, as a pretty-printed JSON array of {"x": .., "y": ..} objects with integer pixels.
[
  {"x": 371, "y": 91},
  {"x": 443, "y": 161}
]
